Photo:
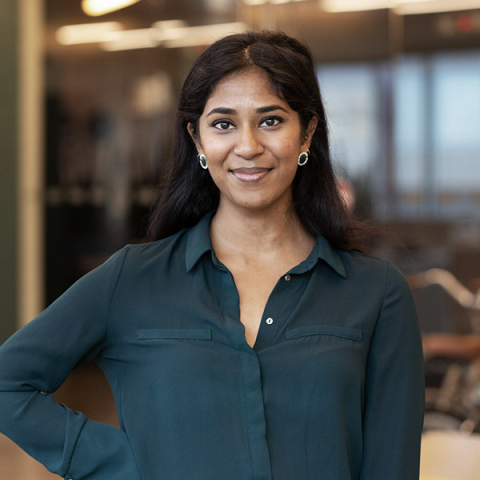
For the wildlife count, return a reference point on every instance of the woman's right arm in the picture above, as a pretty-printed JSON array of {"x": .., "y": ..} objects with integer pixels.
[{"x": 34, "y": 363}]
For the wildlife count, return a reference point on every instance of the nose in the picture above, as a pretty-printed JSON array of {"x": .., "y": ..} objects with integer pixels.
[{"x": 248, "y": 145}]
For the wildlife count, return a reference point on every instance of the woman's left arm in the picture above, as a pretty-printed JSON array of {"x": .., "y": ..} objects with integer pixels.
[{"x": 394, "y": 390}]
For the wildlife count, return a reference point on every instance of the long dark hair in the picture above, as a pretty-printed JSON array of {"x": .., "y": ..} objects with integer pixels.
[{"x": 189, "y": 192}]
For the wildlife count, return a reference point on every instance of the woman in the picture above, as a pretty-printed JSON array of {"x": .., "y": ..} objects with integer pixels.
[{"x": 248, "y": 340}]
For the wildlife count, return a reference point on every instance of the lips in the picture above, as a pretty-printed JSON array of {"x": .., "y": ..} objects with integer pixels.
[{"x": 253, "y": 174}]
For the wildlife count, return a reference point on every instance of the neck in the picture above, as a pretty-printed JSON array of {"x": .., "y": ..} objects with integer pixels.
[{"x": 258, "y": 233}]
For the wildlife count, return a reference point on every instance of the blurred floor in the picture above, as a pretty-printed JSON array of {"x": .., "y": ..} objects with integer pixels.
[
  {"x": 450, "y": 456},
  {"x": 17, "y": 465}
]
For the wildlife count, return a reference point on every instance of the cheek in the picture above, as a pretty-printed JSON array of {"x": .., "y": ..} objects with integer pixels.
[
  {"x": 213, "y": 147},
  {"x": 288, "y": 153},
  {"x": 215, "y": 150},
  {"x": 216, "y": 153},
  {"x": 286, "y": 146}
]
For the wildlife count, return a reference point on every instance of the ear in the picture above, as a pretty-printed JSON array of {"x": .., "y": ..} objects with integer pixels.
[
  {"x": 307, "y": 140},
  {"x": 195, "y": 137}
]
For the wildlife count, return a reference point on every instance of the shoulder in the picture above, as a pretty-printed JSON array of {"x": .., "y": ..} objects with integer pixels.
[
  {"x": 378, "y": 283},
  {"x": 374, "y": 273},
  {"x": 356, "y": 260},
  {"x": 368, "y": 266},
  {"x": 161, "y": 251}
]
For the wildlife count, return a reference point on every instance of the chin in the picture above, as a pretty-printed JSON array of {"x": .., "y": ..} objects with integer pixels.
[
  {"x": 258, "y": 202},
  {"x": 259, "y": 205}
]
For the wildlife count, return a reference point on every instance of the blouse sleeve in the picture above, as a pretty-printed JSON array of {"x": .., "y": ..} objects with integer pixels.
[
  {"x": 35, "y": 361},
  {"x": 394, "y": 392}
]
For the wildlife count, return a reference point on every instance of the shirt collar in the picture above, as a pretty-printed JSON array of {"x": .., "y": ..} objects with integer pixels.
[
  {"x": 198, "y": 243},
  {"x": 324, "y": 251}
]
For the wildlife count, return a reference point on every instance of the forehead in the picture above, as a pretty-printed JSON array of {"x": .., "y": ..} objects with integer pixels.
[{"x": 246, "y": 86}]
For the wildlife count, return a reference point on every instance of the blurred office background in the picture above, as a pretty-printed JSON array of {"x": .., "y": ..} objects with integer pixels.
[{"x": 87, "y": 102}]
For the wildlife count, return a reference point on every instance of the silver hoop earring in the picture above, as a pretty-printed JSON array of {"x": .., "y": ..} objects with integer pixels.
[
  {"x": 203, "y": 160},
  {"x": 303, "y": 158}
]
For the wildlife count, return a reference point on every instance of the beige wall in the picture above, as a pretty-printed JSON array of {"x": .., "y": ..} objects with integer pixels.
[{"x": 21, "y": 166}]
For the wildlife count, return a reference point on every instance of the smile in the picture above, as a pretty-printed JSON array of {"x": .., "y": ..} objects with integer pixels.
[{"x": 250, "y": 174}]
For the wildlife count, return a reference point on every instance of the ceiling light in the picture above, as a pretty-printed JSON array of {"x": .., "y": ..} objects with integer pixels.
[
  {"x": 169, "y": 33},
  {"x": 85, "y": 33},
  {"x": 198, "y": 36},
  {"x": 402, "y": 7},
  {"x": 130, "y": 39},
  {"x": 101, "y": 7},
  {"x": 353, "y": 5},
  {"x": 419, "y": 7},
  {"x": 166, "y": 24},
  {"x": 262, "y": 2}
]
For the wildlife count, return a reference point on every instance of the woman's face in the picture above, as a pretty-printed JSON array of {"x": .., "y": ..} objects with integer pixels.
[{"x": 251, "y": 139}]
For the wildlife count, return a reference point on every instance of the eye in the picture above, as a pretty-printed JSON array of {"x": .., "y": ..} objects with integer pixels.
[
  {"x": 271, "y": 121},
  {"x": 223, "y": 125}
]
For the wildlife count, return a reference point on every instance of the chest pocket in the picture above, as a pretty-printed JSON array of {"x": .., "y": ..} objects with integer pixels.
[
  {"x": 174, "y": 334},
  {"x": 331, "y": 330}
]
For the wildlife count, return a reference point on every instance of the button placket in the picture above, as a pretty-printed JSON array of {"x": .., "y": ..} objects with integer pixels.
[{"x": 254, "y": 410}]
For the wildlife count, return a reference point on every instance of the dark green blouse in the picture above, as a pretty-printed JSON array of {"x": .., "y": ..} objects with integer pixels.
[{"x": 332, "y": 390}]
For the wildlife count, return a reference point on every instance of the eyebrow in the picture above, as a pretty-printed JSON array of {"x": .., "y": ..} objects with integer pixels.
[{"x": 231, "y": 111}]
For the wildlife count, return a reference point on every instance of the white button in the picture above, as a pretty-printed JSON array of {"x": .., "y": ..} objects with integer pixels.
[
  {"x": 287, "y": 278},
  {"x": 269, "y": 321}
]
